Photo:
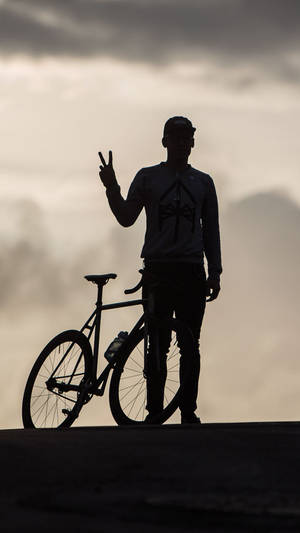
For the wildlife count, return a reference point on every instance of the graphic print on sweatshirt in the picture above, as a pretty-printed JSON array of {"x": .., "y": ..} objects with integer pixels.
[{"x": 178, "y": 202}]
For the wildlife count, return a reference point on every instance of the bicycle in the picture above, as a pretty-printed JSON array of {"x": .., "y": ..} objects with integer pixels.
[{"x": 64, "y": 376}]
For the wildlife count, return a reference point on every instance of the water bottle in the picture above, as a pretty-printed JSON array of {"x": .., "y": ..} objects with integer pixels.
[{"x": 115, "y": 345}]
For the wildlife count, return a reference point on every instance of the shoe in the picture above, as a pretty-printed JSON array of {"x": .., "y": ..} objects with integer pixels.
[{"x": 190, "y": 418}]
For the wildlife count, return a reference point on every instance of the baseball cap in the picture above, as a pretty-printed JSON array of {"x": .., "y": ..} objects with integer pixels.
[{"x": 174, "y": 123}]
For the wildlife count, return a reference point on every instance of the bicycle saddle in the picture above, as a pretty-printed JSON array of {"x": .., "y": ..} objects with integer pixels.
[{"x": 100, "y": 279}]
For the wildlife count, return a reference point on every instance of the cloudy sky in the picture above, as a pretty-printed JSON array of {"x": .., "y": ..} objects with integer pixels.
[{"x": 87, "y": 75}]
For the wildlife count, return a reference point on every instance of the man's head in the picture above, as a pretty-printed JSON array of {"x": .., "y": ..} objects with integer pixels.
[{"x": 178, "y": 137}]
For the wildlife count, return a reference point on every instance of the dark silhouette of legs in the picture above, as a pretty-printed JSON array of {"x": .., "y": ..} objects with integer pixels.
[{"x": 176, "y": 288}]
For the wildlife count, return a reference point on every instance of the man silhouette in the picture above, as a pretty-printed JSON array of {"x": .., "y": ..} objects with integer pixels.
[{"x": 182, "y": 226}]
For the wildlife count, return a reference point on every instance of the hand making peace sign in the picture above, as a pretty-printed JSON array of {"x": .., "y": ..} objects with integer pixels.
[{"x": 107, "y": 173}]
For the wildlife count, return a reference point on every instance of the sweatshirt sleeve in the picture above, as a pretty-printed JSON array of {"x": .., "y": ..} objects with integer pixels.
[
  {"x": 211, "y": 233},
  {"x": 127, "y": 211}
]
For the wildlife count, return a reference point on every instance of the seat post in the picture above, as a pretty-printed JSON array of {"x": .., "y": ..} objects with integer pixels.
[
  {"x": 100, "y": 280},
  {"x": 97, "y": 327},
  {"x": 99, "y": 294}
]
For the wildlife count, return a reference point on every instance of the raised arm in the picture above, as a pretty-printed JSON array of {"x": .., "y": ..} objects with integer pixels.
[{"x": 125, "y": 211}]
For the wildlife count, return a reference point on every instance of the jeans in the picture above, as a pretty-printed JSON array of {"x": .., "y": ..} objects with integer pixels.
[{"x": 178, "y": 288}]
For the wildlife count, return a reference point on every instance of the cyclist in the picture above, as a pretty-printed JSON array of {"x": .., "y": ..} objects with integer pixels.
[{"x": 182, "y": 226}]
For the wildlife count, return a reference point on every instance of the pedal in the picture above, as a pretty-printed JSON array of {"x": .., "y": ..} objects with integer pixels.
[{"x": 66, "y": 412}]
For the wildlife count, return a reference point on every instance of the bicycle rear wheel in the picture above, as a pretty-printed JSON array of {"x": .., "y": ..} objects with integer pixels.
[
  {"x": 54, "y": 392},
  {"x": 128, "y": 386}
]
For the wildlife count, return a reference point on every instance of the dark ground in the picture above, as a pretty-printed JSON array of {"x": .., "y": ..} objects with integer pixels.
[{"x": 214, "y": 477}]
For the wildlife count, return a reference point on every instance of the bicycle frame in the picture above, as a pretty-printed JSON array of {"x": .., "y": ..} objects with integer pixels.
[{"x": 93, "y": 324}]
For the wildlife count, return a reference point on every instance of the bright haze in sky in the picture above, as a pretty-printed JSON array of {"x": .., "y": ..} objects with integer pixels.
[{"x": 82, "y": 76}]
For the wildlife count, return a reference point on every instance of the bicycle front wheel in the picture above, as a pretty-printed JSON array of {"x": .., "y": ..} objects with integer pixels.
[
  {"x": 54, "y": 392},
  {"x": 128, "y": 386}
]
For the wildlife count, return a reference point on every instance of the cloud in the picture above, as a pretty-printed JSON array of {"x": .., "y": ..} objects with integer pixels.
[
  {"x": 250, "y": 335},
  {"x": 250, "y": 349},
  {"x": 264, "y": 230},
  {"x": 35, "y": 276},
  {"x": 261, "y": 261},
  {"x": 261, "y": 254},
  {"x": 237, "y": 34},
  {"x": 29, "y": 275}
]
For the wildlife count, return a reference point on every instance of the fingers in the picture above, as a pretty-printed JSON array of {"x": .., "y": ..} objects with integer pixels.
[
  {"x": 102, "y": 159},
  {"x": 110, "y": 159}
]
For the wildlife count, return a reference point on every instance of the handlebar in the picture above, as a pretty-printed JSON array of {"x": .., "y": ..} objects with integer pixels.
[{"x": 138, "y": 286}]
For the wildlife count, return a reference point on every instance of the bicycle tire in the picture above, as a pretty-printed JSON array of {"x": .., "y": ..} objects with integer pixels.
[
  {"x": 127, "y": 393},
  {"x": 45, "y": 405}
]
